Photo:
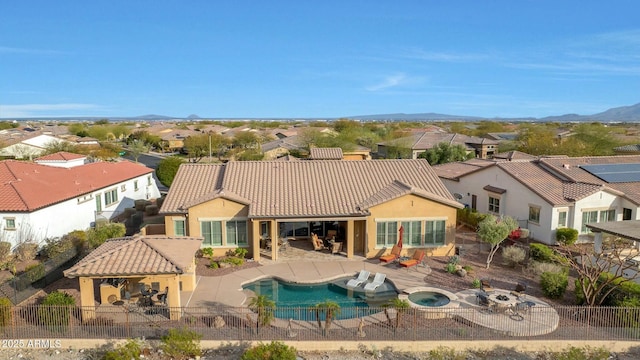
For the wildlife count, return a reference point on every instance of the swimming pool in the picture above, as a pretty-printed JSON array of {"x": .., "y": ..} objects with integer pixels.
[{"x": 293, "y": 300}]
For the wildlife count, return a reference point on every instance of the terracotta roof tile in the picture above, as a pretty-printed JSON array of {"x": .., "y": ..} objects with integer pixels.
[
  {"x": 61, "y": 156},
  {"x": 325, "y": 154},
  {"x": 25, "y": 186},
  {"x": 455, "y": 170}
]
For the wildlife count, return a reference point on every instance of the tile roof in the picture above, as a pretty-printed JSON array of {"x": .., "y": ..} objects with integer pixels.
[
  {"x": 456, "y": 170},
  {"x": 305, "y": 188},
  {"x": 325, "y": 153},
  {"x": 25, "y": 186},
  {"x": 514, "y": 155},
  {"x": 61, "y": 156},
  {"x": 138, "y": 255}
]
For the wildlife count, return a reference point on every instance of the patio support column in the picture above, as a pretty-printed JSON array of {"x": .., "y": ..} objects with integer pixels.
[
  {"x": 173, "y": 299},
  {"x": 350, "y": 239},
  {"x": 87, "y": 297},
  {"x": 274, "y": 242},
  {"x": 255, "y": 239},
  {"x": 597, "y": 242}
]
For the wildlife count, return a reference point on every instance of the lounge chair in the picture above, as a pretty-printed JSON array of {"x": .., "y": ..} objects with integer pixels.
[
  {"x": 395, "y": 253},
  {"x": 377, "y": 281},
  {"x": 416, "y": 259},
  {"x": 362, "y": 277}
]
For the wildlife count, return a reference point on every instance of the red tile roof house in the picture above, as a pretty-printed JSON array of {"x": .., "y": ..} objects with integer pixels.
[
  {"x": 366, "y": 202},
  {"x": 549, "y": 193},
  {"x": 40, "y": 201}
]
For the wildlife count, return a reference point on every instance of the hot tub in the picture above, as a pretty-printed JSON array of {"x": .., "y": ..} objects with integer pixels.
[{"x": 434, "y": 303}]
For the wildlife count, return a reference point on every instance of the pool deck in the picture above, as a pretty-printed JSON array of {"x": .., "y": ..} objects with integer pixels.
[{"x": 227, "y": 290}]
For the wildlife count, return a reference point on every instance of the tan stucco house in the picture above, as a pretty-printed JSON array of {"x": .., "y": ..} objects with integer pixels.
[{"x": 250, "y": 204}]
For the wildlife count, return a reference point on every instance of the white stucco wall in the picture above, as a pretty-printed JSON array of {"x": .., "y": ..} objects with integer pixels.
[{"x": 74, "y": 214}]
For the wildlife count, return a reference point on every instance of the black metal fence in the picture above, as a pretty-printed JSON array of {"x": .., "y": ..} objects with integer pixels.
[{"x": 241, "y": 324}]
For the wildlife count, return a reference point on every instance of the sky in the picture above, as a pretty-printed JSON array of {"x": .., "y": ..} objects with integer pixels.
[{"x": 317, "y": 59}]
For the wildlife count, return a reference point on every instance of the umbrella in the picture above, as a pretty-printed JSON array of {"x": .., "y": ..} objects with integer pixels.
[{"x": 401, "y": 231}]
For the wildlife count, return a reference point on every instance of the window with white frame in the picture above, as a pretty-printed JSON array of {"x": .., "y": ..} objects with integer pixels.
[
  {"x": 123, "y": 187},
  {"x": 412, "y": 233},
  {"x": 588, "y": 217},
  {"x": 386, "y": 233},
  {"x": 607, "y": 215},
  {"x": 110, "y": 197},
  {"x": 149, "y": 180},
  {"x": 179, "y": 227},
  {"x": 562, "y": 219},
  {"x": 534, "y": 214},
  {"x": 211, "y": 232},
  {"x": 10, "y": 223},
  {"x": 494, "y": 205},
  {"x": 135, "y": 185},
  {"x": 435, "y": 234},
  {"x": 237, "y": 233}
]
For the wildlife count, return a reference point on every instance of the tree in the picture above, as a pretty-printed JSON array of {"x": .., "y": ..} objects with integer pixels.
[
  {"x": 445, "y": 153},
  {"x": 494, "y": 230},
  {"x": 264, "y": 307},
  {"x": 137, "y": 148},
  {"x": 401, "y": 307},
  {"x": 245, "y": 140},
  {"x": 167, "y": 169},
  {"x": 601, "y": 272},
  {"x": 197, "y": 147},
  {"x": 97, "y": 236},
  {"x": 536, "y": 140},
  {"x": 330, "y": 309}
]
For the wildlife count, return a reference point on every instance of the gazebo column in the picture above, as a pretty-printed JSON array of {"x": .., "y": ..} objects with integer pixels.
[
  {"x": 255, "y": 239},
  {"x": 87, "y": 298},
  {"x": 597, "y": 243},
  {"x": 173, "y": 299},
  {"x": 350, "y": 239}
]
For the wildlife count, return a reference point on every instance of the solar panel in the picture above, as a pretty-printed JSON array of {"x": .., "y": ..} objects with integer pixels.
[{"x": 615, "y": 173}]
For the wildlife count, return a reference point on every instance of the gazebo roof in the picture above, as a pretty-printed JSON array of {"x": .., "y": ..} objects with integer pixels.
[
  {"x": 138, "y": 255},
  {"x": 629, "y": 229}
]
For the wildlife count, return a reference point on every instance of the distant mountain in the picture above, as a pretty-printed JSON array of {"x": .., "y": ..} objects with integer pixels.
[
  {"x": 629, "y": 113},
  {"x": 193, "y": 116},
  {"x": 154, "y": 117},
  {"x": 422, "y": 116}
]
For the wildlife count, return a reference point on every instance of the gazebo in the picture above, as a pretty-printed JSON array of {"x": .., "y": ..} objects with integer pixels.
[{"x": 125, "y": 265}]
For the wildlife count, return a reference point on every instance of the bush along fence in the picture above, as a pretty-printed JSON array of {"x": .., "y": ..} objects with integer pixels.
[
  {"x": 319, "y": 324},
  {"x": 23, "y": 286}
]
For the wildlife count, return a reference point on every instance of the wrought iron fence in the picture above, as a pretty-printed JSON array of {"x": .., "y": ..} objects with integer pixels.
[{"x": 293, "y": 323}]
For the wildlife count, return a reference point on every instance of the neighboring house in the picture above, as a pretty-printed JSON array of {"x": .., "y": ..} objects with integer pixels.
[
  {"x": 281, "y": 147},
  {"x": 39, "y": 201},
  {"x": 420, "y": 142},
  {"x": 549, "y": 193},
  {"x": 62, "y": 159},
  {"x": 29, "y": 148},
  {"x": 240, "y": 203},
  {"x": 325, "y": 154}
]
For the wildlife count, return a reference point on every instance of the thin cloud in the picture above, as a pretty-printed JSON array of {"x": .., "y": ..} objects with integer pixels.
[
  {"x": 14, "y": 50},
  {"x": 43, "y": 110},
  {"x": 420, "y": 54},
  {"x": 395, "y": 81}
]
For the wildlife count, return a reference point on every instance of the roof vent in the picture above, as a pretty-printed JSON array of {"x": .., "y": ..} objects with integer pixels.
[{"x": 566, "y": 166}]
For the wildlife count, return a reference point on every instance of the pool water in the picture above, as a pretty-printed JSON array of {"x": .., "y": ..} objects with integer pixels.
[
  {"x": 429, "y": 298},
  {"x": 294, "y": 300}
]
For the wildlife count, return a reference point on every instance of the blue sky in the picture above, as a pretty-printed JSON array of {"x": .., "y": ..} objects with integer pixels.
[{"x": 293, "y": 59}]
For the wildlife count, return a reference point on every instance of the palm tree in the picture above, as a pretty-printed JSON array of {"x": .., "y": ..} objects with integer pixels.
[
  {"x": 401, "y": 306},
  {"x": 265, "y": 307},
  {"x": 330, "y": 309}
]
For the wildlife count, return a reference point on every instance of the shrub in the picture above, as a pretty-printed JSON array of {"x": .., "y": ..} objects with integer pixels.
[
  {"x": 468, "y": 269},
  {"x": 54, "y": 247},
  {"x": 476, "y": 283},
  {"x": 167, "y": 169},
  {"x": 554, "y": 285},
  {"x": 233, "y": 261},
  {"x": 537, "y": 268},
  {"x": 513, "y": 255},
  {"x": 141, "y": 204},
  {"x": 26, "y": 251},
  {"x": 541, "y": 252},
  {"x": 445, "y": 353},
  {"x": 98, "y": 236},
  {"x": 127, "y": 351},
  {"x": 208, "y": 252},
  {"x": 5, "y": 312},
  {"x": 455, "y": 259},
  {"x": 450, "y": 268},
  {"x": 272, "y": 350},
  {"x": 586, "y": 353},
  {"x": 214, "y": 264},
  {"x": 55, "y": 309},
  {"x": 5, "y": 251},
  {"x": 182, "y": 344},
  {"x": 567, "y": 236},
  {"x": 151, "y": 210},
  {"x": 34, "y": 272},
  {"x": 241, "y": 252},
  {"x": 470, "y": 217},
  {"x": 78, "y": 238}
]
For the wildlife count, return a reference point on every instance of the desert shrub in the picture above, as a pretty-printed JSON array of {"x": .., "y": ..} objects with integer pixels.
[
  {"x": 567, "y": 236},
  {"x": 468, "y": 269},
  {"x": 272, "y": 350},
  {"x": 446, "y": 353},
  {"x": 78, "y": 238},
  {"x": 5, "y": 312},
  {"x": 470, "y": 216},
  {"x": 214, "y": 264},
  {"x": 450, "y": 268},
  {"x": 55, "y": 309},
  {"x": 537, "y": 268},
  {"x": 97, "y": 236},
  {"x": 127, "y": 351},
  {"x": 233, "y": 261},
  {"x": 241, "y": 252},
  {"x": 585, "y": 353},
  {"x": 554, "y": 285},
  {"x": 5, "y": 251},
  {"x": 182, "y": 344},
  {"x": 54, "y": 247},
  {"x": 455, "y": 259},
  {"x": 34, "y": 272},
  {"x": 208, "y": 252},
  {"x": 513, "y": 255},
  {"x": 476, "y": 284},
  {"x": 26, "y": 251},
  {"x": 541, "y": 252}
]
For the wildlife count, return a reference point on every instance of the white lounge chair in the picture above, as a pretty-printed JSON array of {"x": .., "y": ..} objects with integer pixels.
[
  {"x": 362, "y": 277},
  {"x": 377, "y": 281}
]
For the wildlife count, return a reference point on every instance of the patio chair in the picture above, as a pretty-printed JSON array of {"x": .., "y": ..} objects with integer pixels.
[
  {"x": 485, "y": 285},
  {"x": 482, "y": 299},
  {"x": 520, "y": 290},
  {"x": 336, "y": 247},
  {"x": 395, "y": 253},
  {"x": 377, "y": 281},
  {"x": 362, "y": 277},
  {"x": 331, "y": 234},
  {"x": 317, "y": 243},
  {"x": 416, "y": 259}
]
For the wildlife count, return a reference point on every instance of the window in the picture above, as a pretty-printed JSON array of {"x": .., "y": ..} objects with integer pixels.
[
  {"x": 607, "y": 215},
  {"x": 435, "y": 234},
  {"x": 237, "y": 233},
  {"x": 412, "y": 234},
  {"x": 135, "y": 185},
  {"x": 9, "y": 223},
  {"x": 534, "y": 214},
  {"x": 211, "y": 232},
  {"x": 149, "y": 180},
  {"x": 562, "y": 219},
  {"x": 588, "y": 217},
  {"x": 110, "y": 197},
  {"x": 123, "y": 187},
  {"x": 178, "y": 227},
  {"x": 494, "y": 205},
  {"x": 386, "y": 233}
]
